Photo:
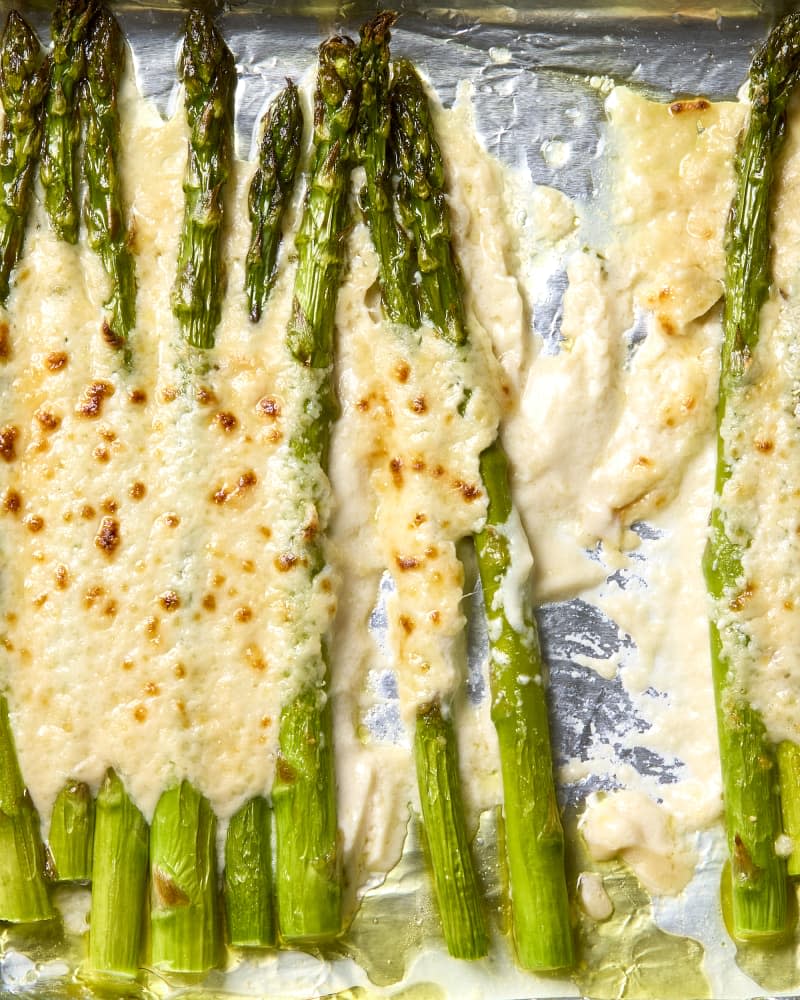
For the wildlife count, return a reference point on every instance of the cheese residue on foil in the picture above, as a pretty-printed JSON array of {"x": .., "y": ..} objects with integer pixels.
[{"x": 148, "y": 620}]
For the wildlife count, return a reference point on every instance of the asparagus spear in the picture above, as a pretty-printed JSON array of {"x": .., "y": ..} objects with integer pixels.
[
  {"x": 103, "y": 208},
  {"x": 184, "y": 921},
  {"x": 248, "y": 876},
  {"x": 208, "y": 73},
  {"x": 534, "y": 835},
  {"x": 270, "y": 190},
  {"x": 750, "y": 781},
  {"x": 71, "y": 20},
  {"x": 23, "y": 888},
  {"x": 391, "y": 242},
  {"x": 304, "y": 793},
  {"x": 119, "y": 882},
  {"x": 438, "y": 780},
  {"x": 23, "y": 85},
  {"x": 457, "y": 892},
  {"x": 789, "y": 772},
  {"x": 71, "y": 839}
]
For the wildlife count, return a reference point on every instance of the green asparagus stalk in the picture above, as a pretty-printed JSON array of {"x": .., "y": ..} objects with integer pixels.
[
  {"x": 534, "y": 835},
  {"x": 391, "y": 242},
  {"x": 23, "y": 888},
  {"x": 119, "y": 883},
  {"x": 750, "y": 779},
  {"x": 71, "y": 839},
  {"x": 789, "y": 772},
  {"x": 270, "y": 191},
  {"x": 184, "y": 919},
  {"x": 422, "y": 205},
  {"x": 103, "y": 208},
  {"x": 308, "y": 865},
  {"x": 23, "y": 85},
  {"x": 457, "y": 892},
  {"x": 209, "y": 76},
  {"x": 248, "y": 876},
  {"x": 61, "y": 137}
]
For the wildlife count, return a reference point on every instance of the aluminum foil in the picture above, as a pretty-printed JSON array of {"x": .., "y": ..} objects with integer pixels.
[{"x": 531, "y": 67}]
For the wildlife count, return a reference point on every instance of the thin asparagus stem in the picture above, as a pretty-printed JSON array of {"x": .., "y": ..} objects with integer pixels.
[
  {"x": 304, "y": 794},
  {"x": 209, "y": 76},
  {"x": 457, "y": 892},
  {"x": 460, "y": 909},
  {"x": 119, "y": 883},
  {"x": 23, "y": 85},
  {"x": 184, "y": 918},
  {"x": 391, "y": 242},
  {"x": 23, "y": 888},
  {"x": 248, "y": 876},
  {"x": 71, "y": 839},
  {"x": 103, "y": 208},
  {"x": 789, "y": 774},
  {"x": 534, "y": 835},
  {"x": 71, "y": 19},
  {"x": 750, "y": 781},
  {"x": 270, "y": 191}
]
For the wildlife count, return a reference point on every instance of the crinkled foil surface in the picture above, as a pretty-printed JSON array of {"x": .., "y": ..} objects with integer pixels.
[{"x": 540, "y": 90}]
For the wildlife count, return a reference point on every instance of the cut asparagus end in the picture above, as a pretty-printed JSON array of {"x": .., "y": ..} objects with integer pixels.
[
  {"x": 24, "y": 897},
  {"x": 457, "y": 892},
  {"x": 71, "y": 840},
  {"x": 119, "y": 883},
  {"x": 184, "y": 919},
  {"x": 789, "y": 773},
  {"x": 248, "y": 876},
  {"x": 534, "y": 834},
  {"x": 309, "y": 890}
]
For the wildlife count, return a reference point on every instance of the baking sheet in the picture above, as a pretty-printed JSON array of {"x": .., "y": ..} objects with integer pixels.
[{"x": 534, "y": 71}]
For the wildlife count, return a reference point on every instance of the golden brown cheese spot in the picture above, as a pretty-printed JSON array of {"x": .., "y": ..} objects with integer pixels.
[
  {"x": 55, "y": 361},
  {"x": 109, "y": 505},
  {"x": 209, "y": 602},
  {"x": 406, "y": 562},
  {"x": 402, "y": 371},
  {"x": 764, "y": 446},
  {"x": 5, "y": 343},
  {"x": 48, "y": 420},
  {"x": 108, "y": 434},
  {"x": 168, "y": 394},
  {"x": 137, "y": 396},
  {"x": 110, "y": 336},
  {"x": 94, "y": 395},
  {"x": 243, "y": 614},
  {"x": 738, "y": 602},
  {"x": 92, "y": 595},
  {"x": 435, "y": 617},
  {"x": 151, "y": 689},
  {"x": 418, "y": 404},
  {"x": 698, "y": 104},
  {"x": 151, "y": 627},
  {"x": 407, "y": 624},
  {"x": 107, "y": 538},
  {"x": 40, "y": 600},
  {"x": 268, "y": 406},
  {"x": 34, "y": 523},
  {"x": 226, "y": 422},
  {"x": 127, "y": 664},
  {"x": 171, "y": 520},
  {"x": 396, "y": 467},
  {"x": 205, "y": 395},
  {"x": 469, "y": 491},
  {"x": 12, "y": 502},
  {"x": 179, "y": 671},
  {"x": 248, "y": 566},
  {"x": 110, "y": 609},
  {"x": 169, "y": 600},
  {"x": 225, "y": 493},
  {"x": 8, "y": 442},
  {"x": 137, "y": 490},
  {"x": 255, "y": 659},
  {"x": 102, "y": 454},
  {"x": 61, "y": 575},
  {"x": 285, "y": 561},
  {"x": 362, "y": 405},
  {"x": 88, "y": 512},
  {"x": 140, "y": 713}
]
